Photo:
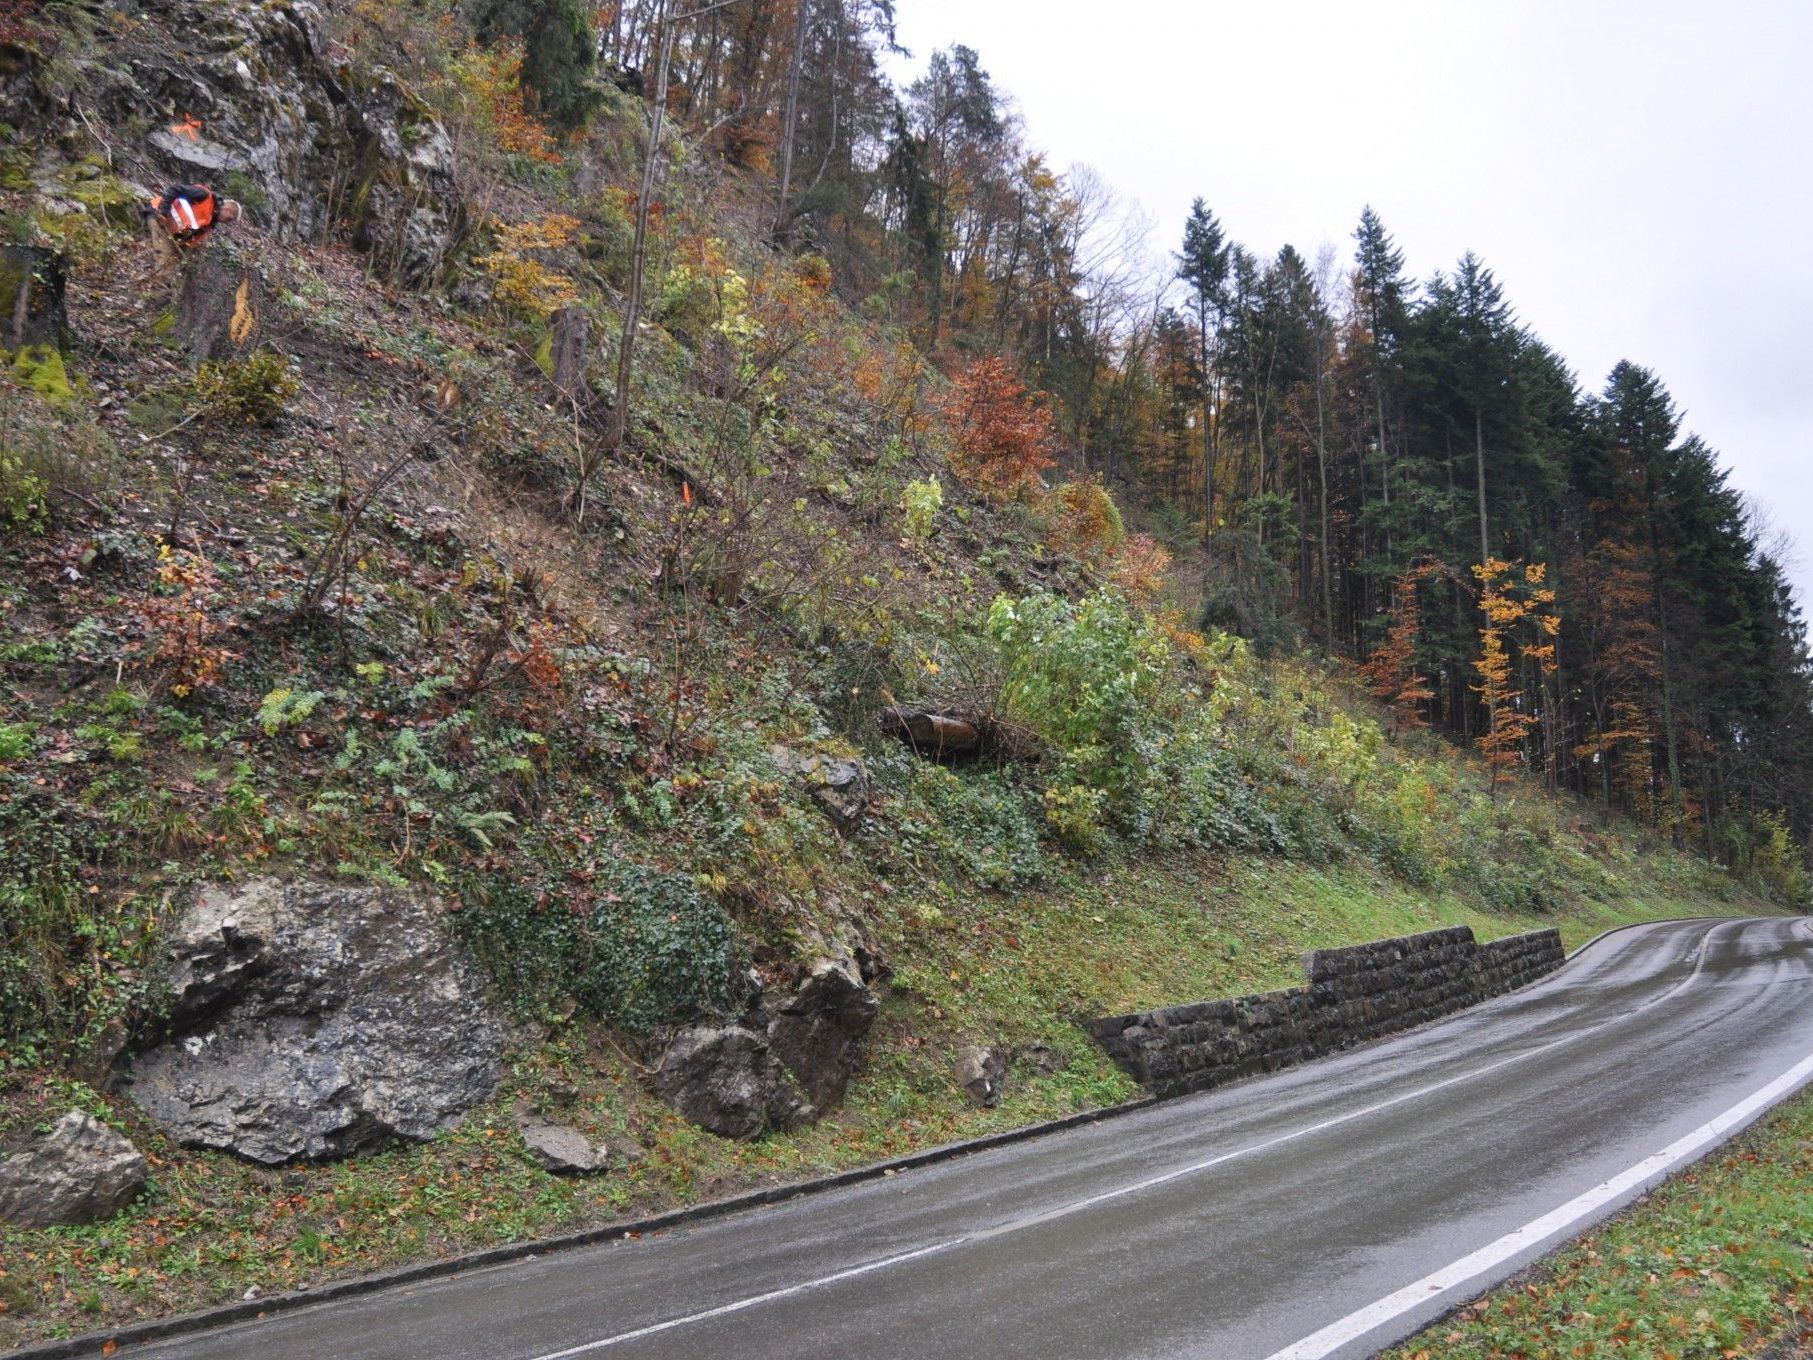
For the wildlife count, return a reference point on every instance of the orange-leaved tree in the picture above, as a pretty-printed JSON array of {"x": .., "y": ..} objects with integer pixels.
[
  {"x": 1391, "y": 670},
  {"x": 1003, "y": 437},
  {"x": 1519, "y": 611}
]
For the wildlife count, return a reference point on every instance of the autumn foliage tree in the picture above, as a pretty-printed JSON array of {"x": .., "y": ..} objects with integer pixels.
[
  {"x": 1392, "y": 669},
  {"x": 1518, "y": 608},
  {"x": 1003, "y": 437}
]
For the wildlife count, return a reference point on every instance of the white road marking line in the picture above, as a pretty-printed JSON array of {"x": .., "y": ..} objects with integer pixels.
[
  {"x": 750, "y": 1302},
  {"x": 1120, "y": 1192},
  {"x": 1555, "y": 1224}
]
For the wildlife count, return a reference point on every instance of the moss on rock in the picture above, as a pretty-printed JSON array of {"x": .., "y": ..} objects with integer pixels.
[{"x": 41, "y": 368}]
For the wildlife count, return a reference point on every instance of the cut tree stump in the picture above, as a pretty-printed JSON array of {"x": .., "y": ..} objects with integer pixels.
[
  {"x": 938, "y": 735},
  {"x": 220, "y": 313},
  {"x": 32, "y": 283},
  {"x": 571, "y": 349}
]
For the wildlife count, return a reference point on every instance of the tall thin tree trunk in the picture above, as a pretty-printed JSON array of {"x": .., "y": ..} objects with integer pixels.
[
  {"x": 1485, "y": 554},
  {"x": 1328, "y": 603},
  {"x": 632, "y": 307},
  {"x": 1668, "y": 714},
  {"x": 1208, "y": 420},
  {"x": 787, "y": 136}
]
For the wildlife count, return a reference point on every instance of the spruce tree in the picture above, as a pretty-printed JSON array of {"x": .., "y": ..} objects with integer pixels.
[
  {"x": 559, "y": 53},
  {"x": 1203, "y": 264}
]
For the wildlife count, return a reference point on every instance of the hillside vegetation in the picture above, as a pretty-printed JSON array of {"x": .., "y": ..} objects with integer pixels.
[{"x": 503, "y": 568}]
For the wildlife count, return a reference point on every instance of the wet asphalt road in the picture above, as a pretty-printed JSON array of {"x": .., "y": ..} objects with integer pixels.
[{"x": 1228, "y": 1225}]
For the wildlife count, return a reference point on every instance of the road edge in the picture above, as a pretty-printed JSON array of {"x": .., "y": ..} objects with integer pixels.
[
  {"x": 1364, "y": 1346},
  {"x": 1591, "y": 1225},
  {"x": 254, "y": 1310}
]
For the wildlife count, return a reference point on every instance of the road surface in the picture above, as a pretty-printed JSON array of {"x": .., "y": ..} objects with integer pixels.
[{"x": 1324, "y": 1211}]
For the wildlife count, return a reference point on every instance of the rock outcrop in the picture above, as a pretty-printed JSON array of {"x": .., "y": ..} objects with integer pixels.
[
  {"x": 838, "y": 784},
  {"x": 982, "y": 1072},
  {"x": 817, "y": 1031},
  {"x": 79, "y": 1172},
  {"x": 566, "y": 1151},
  {"x": 247, "y": 97},
  {"x": 727, "y": 1080},
  {"x": 310, "y": 1021}
]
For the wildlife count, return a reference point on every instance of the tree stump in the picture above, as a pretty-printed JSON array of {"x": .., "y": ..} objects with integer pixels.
[
  {"x": 220, "y": 313},
  {"x": 32, "y": 283},
  {"x": 571, "y": 349}
]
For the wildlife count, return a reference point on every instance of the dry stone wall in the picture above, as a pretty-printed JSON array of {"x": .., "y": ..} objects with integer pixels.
[{"x": 1353, "y": 994}]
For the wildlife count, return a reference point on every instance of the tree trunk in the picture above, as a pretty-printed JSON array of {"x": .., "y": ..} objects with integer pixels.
[
  {"x": 1378, "y": 393},
  {"x": 1328, "y": 599},
  {"x": 1208, "y": 421},
  {"x": 1479, "y": 471},
  {"x": 789, "y": 127},
  {"x": 632, "y": 308}
]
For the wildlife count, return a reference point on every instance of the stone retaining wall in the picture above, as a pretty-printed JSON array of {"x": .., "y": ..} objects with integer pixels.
[{"x": 1354, "y": 994}]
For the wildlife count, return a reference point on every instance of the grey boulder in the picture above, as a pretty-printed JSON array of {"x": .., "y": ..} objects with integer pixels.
[
  {"x": 79, "y": 1172},
  {"x": 728, "y": 1081},
  {"x": 981, "y": 1072},
  {"x": 310, "y": 1021},
  {"x": 816, "y": 1032},
  {"x": 838, "y": 784},
  {"x": 566, "y": 1151}
]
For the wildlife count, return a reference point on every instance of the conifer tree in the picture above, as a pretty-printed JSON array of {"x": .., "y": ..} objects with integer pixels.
[
  {"x": 1203, "y": 264},
  {"x": 559, "y": 53}
]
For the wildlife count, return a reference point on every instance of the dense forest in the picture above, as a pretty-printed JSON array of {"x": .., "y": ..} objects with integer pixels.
[{"x": 1397, "y": 471}]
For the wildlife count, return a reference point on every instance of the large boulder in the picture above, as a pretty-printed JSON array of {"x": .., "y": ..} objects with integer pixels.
[
  {"x": 406, "y": 201},
  {"x": 817, "y": 1030},
  {"x": 79, "y": 1172},
  {"x": 727, "y": 1080},
  {"x": 311, "y": 1020}
]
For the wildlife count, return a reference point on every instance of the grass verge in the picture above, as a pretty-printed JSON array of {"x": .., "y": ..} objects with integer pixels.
[{"x": 1717, "y": 1264}]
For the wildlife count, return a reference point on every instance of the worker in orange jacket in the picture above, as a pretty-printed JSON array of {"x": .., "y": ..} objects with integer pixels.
[{"x": 182, "y": 217}]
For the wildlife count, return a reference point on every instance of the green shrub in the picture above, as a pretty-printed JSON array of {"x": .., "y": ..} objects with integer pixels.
[
  {"x": 24, "y": 496},
  {"x": 921, "y": 502},
  {"x": 16, "y": 741},
  {"x": 71, "y": 961},
  {"x": 640, "y": 949},
  {"x": 253, "y": 391},
  {"x": 985, "y": 823}
]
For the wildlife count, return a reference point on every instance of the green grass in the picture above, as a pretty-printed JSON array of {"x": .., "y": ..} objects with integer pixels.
[
  {"x": 1002, "y": 969},
  {"x": 1716, "y": 1265}
]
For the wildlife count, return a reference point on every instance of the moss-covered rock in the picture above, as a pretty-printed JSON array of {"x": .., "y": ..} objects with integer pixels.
[{"x": 41, "y": 368}]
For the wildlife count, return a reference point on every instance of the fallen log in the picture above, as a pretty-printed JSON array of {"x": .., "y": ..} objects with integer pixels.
[{"x": 936, "y": 735}]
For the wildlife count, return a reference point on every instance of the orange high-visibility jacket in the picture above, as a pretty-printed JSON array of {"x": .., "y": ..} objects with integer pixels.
[{"x": 190, "y": 209}]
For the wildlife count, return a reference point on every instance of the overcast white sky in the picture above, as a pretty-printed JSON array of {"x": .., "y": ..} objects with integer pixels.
[{"x": 1636, "y": 173}]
